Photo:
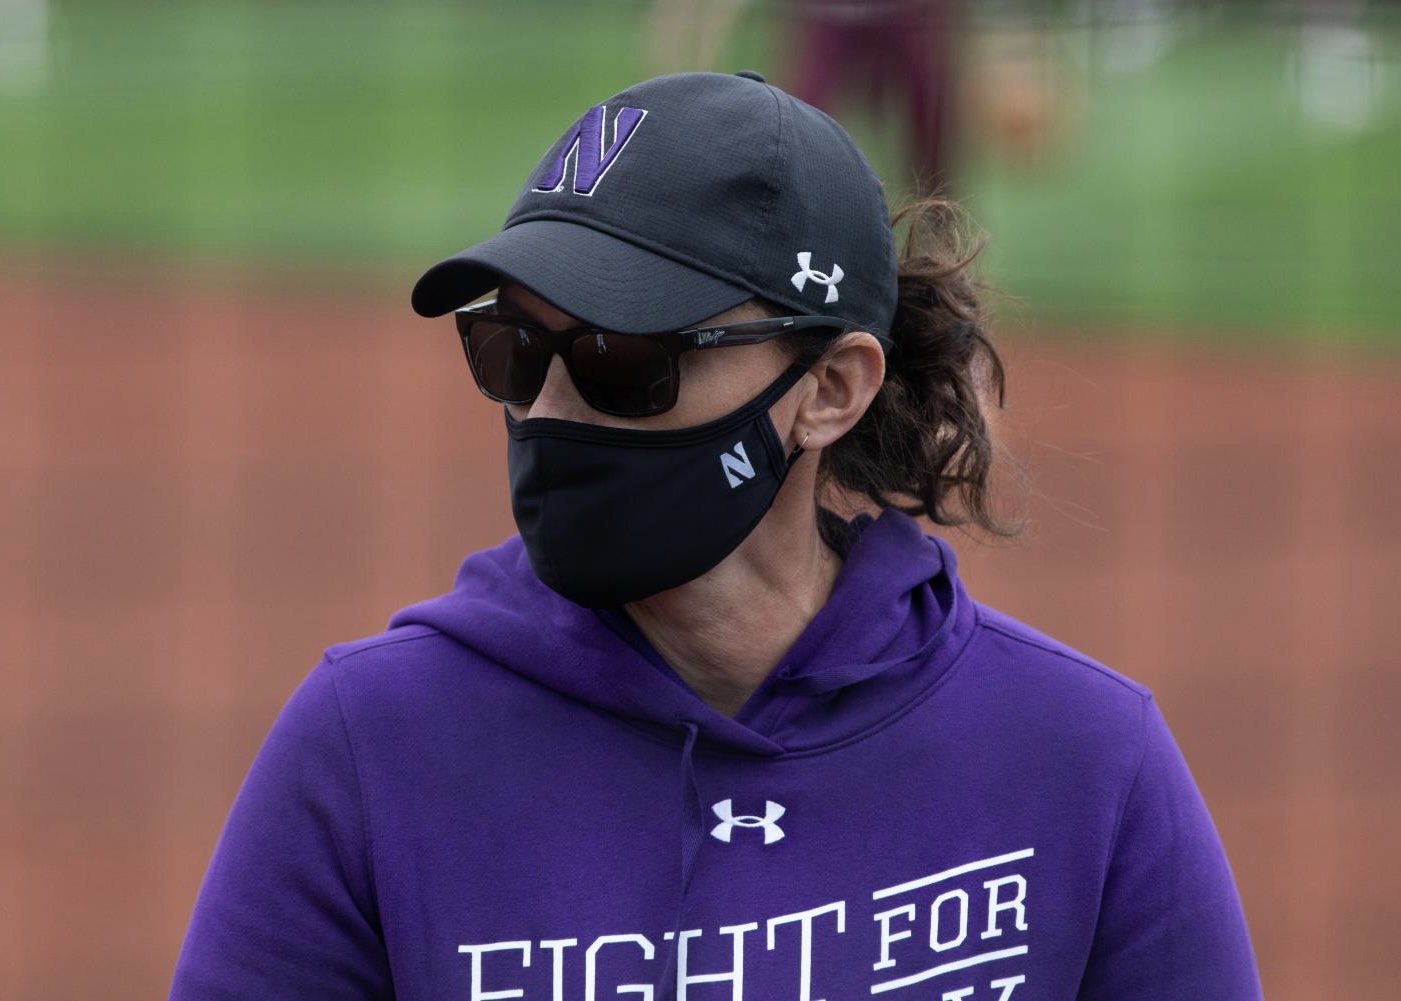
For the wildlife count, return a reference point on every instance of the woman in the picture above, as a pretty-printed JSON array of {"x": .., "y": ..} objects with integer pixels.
[{"x": 692, "y": 735}]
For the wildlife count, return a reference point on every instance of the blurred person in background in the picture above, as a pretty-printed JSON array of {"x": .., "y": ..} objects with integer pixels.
[
  {"x": 885, "y": 53},
  {"x": 875, "y": 55},
  {"x": 722, "y": 721}
]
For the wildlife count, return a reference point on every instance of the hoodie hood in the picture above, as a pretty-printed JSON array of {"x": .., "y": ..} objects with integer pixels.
[
  {"x": 895, "y": 623},
  {"x": 514, "y": 792}
]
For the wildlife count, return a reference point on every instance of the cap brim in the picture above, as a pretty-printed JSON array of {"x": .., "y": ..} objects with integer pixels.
[{"x": 596, "y": 277}]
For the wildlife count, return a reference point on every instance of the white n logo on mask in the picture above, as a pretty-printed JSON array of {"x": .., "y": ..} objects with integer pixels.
[{"x": 737, "y": 467}]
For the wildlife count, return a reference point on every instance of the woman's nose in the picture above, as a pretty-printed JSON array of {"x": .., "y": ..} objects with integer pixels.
[{"x": 559, "y": 399}]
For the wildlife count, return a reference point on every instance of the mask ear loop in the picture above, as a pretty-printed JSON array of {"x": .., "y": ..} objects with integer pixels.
[{"x": 798, "y": 449}]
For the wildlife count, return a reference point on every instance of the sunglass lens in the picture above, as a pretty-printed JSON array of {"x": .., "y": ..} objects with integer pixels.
[
  {"x": 509, "y": 362},
  {"x": 625, "y": 374}
]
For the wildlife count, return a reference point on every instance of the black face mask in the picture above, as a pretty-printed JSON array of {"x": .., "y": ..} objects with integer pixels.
[{"x": 612, "y": 515}]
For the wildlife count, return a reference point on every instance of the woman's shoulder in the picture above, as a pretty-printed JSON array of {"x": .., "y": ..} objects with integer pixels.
[
  {"x": 391, "y": 671},
  {"x": 389, "y": 648},
  {"x": 445, "y": 633},
  {"x": 1047, "y": 691},
  {"x": 1031, "y": 650}
]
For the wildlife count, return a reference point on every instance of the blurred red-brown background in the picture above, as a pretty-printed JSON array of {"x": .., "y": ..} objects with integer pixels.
[{"x": 206, "y": 477}]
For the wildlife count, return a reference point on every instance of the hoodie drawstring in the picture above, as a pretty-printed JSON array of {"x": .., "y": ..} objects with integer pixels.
[
  {"x": 693, "y": 823},
  {"x": 692, "y": 837}
]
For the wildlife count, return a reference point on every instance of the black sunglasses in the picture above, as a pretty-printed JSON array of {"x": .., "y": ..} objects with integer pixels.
[{"x": 626, "y": 375}]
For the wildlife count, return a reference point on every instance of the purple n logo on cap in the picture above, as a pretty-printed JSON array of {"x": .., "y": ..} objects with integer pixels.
[{"x": 584, "y": 145}]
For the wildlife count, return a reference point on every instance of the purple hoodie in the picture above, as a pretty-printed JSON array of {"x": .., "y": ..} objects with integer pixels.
[{"x": 508, "y": 796}]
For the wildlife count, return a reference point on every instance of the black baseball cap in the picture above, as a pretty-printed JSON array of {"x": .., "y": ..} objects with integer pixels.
[{"x": 682, "y": 197}]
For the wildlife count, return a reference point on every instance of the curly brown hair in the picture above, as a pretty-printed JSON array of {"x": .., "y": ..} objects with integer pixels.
[{"x": 924, "y": 445}]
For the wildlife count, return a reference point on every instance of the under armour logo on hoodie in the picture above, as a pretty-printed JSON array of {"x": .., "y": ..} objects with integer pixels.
[
  {"x": 769, "y": 821},
  {"x": 805, "y": 273},
  {"x": 584, "y": 145}
]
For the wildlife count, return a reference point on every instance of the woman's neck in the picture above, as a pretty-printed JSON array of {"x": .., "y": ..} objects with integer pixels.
[{"x": 726, "y": 630}]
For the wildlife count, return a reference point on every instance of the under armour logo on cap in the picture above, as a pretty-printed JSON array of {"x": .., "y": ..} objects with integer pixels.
[
  {"x": 805, "y": 272},
  {"x": 769, "y": 821},
  {"x": 584, "y": 145}
]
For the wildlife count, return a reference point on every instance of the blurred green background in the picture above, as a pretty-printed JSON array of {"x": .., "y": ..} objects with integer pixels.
[{"x": 1188, "y": 194}]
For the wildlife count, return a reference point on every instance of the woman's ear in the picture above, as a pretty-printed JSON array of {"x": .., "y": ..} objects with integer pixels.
[{"x": 847, "y": 379}]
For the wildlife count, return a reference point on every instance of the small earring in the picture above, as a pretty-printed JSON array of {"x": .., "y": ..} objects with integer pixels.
[{"x": 805, "y": 439}]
